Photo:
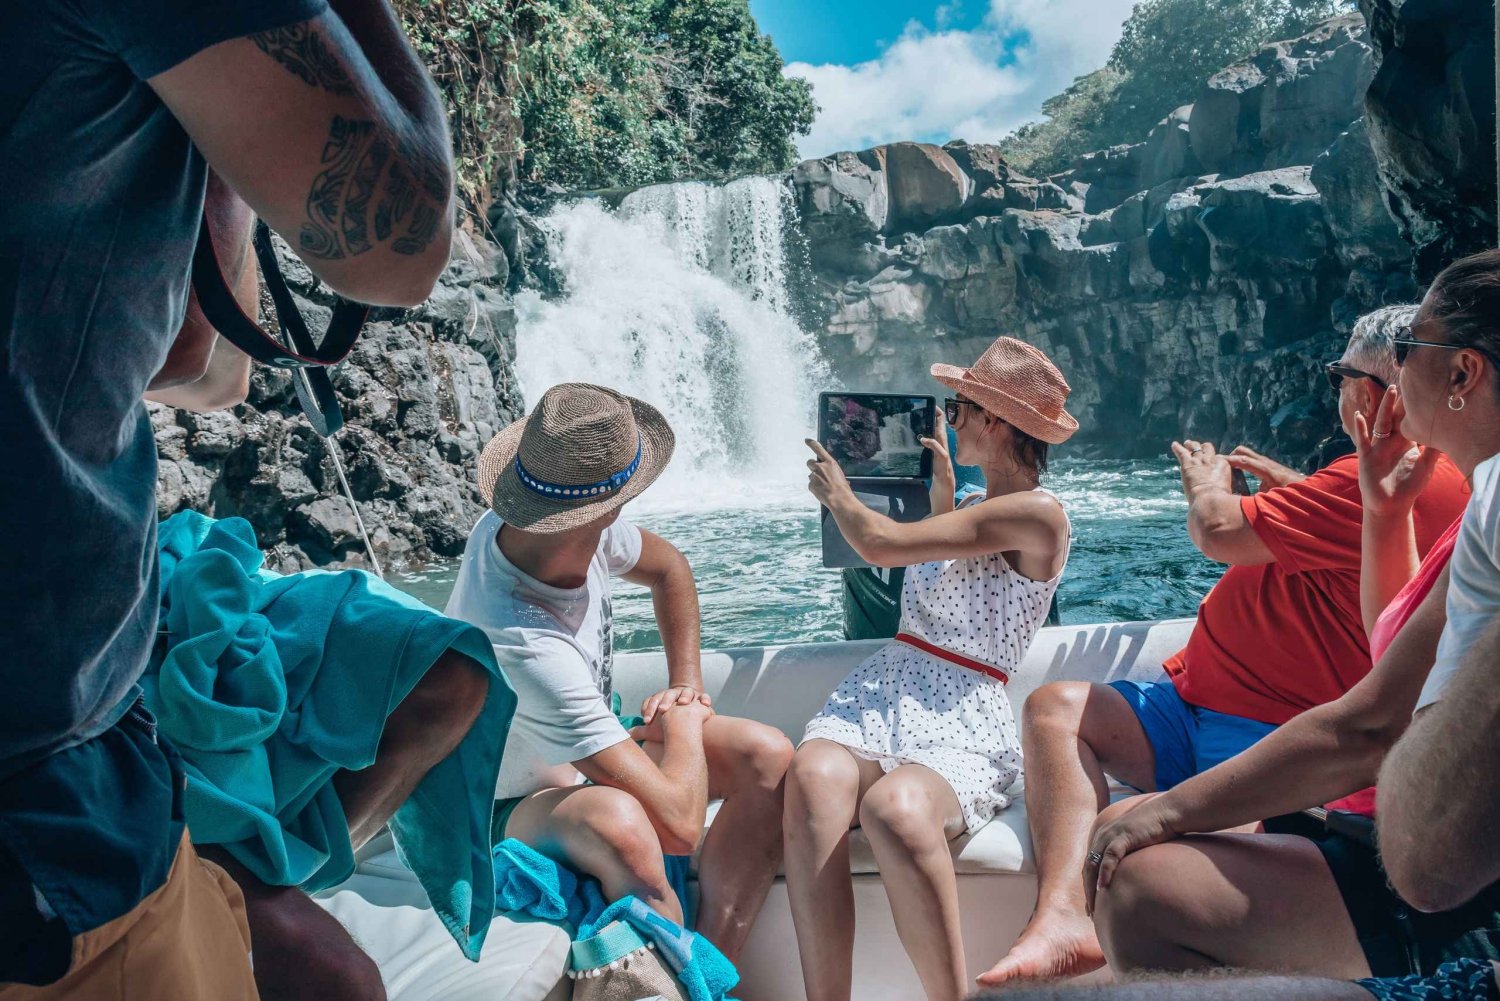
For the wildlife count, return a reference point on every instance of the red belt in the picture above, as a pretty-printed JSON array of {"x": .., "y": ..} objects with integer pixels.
[{"x": 953, "y": 658}]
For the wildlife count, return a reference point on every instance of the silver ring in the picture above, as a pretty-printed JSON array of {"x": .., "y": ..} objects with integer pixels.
[
  {"x": 1096, "y": 858},
  {"x": 1195, "y": 451},
  {"x": 1377, "y": 434}
]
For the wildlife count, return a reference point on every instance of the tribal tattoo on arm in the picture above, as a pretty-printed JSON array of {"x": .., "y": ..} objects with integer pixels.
[
  {"x": 366, "y": 194},
  {"x": 301, "y": 49},
  {"x": 371, "y": 189}
]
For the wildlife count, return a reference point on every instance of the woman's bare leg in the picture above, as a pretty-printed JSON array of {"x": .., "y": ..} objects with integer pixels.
[
  {"x": 909, "y": 816},
  {"x": 1251, "y": 901},
  {"x": 822, "y": 800}
]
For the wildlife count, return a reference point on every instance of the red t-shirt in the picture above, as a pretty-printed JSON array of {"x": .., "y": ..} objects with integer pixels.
[
  {"x": 1275, "y": 640},
  {"x": 1391, "y": 621}
]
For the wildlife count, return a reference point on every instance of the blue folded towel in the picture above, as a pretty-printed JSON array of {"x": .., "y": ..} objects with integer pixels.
[
  {"x": 270, "y": 685},
  {"x": 528, "y": 882}
]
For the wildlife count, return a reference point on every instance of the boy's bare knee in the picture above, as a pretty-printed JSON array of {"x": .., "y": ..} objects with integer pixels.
[
  {"x": 766, "y": 753},
  {"x": 618, "y": 824}
]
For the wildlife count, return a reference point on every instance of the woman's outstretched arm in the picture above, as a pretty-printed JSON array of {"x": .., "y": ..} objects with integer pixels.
[{"x": 1031, "y": 522}]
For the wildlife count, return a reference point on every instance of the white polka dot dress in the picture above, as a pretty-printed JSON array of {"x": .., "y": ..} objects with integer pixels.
[{"x": 907, "y": 706}]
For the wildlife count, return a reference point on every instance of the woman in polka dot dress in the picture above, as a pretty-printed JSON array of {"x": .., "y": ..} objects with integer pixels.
[{"x": 919, "y": 744}]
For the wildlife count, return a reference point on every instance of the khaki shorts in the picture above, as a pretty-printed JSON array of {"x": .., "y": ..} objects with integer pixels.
[{"x": 187, "y": 941}]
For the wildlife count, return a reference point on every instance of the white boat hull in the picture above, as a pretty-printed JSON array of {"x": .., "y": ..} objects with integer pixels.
[{"x": 782, "y": 686}]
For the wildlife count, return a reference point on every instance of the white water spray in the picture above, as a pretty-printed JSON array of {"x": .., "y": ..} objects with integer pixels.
[{"x": 680, "y": 298}]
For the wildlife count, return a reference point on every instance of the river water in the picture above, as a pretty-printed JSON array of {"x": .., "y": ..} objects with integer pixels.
[
  {"x": 761, "y": 580},
  {"x": 680, "y": 296}
]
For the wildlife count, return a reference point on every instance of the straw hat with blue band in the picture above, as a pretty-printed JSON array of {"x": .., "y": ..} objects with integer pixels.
[{"x": 580, "y": 454}]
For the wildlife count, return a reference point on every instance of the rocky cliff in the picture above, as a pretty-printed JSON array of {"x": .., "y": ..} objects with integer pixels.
[
  {"x": 423, "y": 390},
  {"x": 1192, "y": 283}
]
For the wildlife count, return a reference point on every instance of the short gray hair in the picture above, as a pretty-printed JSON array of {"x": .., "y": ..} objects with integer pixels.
[{"x": 1370, "y": 348}]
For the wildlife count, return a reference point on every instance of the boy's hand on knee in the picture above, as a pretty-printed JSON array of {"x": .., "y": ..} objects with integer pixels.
[
  {"x": 693, "y": 710},
  {"x": 677, "y": 695}
]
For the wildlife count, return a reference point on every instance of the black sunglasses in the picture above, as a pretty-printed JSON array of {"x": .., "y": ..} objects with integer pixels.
[
  {"x": 1405, "y": 344},
  {"x": 1338, "y": 373},
  {"x": 950, "y": 408}
]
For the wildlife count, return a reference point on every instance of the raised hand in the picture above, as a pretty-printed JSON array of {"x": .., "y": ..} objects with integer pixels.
[
  {"x": 825, "y": 479},
  {"x": 678, "y": 695},
  {"x": 1202, "y": 466},
  {"x": 942, "y": 463},
  {"x": 1270, "y": 472},
  {"x": 1393, "y": 472}
]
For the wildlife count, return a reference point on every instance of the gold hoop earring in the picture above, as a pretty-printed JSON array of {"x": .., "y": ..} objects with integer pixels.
[{"x": 1461, "y": 402}]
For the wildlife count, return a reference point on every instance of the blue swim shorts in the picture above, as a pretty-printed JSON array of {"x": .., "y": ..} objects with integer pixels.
[
  {"x": 1461, "y": 980},
  {"x": 1187, "y": 739}
]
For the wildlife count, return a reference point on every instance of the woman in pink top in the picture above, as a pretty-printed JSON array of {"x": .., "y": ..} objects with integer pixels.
[{"x": 1292, "y": 904}]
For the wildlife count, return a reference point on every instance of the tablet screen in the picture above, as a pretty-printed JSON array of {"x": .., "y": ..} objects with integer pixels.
[{"x": 877, "y": 434}]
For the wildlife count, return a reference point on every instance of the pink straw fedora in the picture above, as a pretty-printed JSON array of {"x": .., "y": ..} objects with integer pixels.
[
  {"x": 580, "y": 454},
  {"x": 1020, "y": 385}
]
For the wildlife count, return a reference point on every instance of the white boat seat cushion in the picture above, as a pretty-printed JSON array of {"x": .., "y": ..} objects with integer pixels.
[{"x": 387, "y": 913}]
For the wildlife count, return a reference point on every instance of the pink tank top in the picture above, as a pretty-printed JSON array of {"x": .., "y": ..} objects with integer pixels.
[{"x": 1396, "y": 615}]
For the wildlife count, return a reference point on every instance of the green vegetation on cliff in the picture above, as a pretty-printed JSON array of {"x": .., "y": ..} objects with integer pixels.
[
  {"x": 1167, "y": 50},
  {"x": 598, "y": 93}
]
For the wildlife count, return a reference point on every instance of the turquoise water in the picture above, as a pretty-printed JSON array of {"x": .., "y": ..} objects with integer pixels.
[{"x": 760, "y": 580}]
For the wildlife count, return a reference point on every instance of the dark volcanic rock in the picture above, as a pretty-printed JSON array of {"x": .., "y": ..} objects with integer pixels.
[
  {"x": 1366, "y": 237},
  {"x": 1280, "y": 107},
  {"x": 421, "y": 392},
  {"x": 925, "y": 184},
  {"x": 1193, "y": 283},
  {"x": 1431, "y": 115}
]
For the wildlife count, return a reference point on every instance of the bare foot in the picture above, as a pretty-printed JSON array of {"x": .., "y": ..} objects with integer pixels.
[{"x": 1052, "y": 948}]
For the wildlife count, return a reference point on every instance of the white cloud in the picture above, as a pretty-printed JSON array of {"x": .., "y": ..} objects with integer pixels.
[{"x": 975, "y": 85}]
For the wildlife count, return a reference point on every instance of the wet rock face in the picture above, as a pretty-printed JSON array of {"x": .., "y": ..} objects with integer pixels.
[
  {"x": 1430, "y": 110},
  {"x": 1190, "y": 284},
  {"x": 421, "y": 392},
  {"x": 1280, "y": 107}
]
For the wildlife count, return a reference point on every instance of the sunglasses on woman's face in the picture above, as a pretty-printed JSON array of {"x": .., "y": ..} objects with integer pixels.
[
  {"x": 950, "y": 408},
  {"x": 1405, "y": 344},
  {"x": 1337, "y": 373}
]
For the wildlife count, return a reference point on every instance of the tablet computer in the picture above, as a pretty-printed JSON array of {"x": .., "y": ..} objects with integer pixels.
[
  {"x": 877, "y": 435},
  {"x": 899, "y": 500}
]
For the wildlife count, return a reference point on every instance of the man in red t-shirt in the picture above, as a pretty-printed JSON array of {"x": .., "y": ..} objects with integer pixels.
[{"x": 1280, "y": 633}]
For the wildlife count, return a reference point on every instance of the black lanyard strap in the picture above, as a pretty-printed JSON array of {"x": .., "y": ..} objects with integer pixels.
[{"x": 296, "y": 348}]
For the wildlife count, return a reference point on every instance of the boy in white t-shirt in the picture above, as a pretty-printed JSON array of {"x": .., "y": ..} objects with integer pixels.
[{"x": 573, "y": 783}]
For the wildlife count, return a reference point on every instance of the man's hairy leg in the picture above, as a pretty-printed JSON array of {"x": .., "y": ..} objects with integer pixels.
[
  {"x": 299, "y": 951},
  {"x": 423, "y": 730},
  {"x": 1074, "y": 731},
  {"x": 1247, "y": 901}
]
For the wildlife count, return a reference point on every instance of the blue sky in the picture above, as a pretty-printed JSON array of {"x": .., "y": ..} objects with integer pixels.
[
  {"x": 883, "y": 70},
  {"x": 802, "y": 32}
]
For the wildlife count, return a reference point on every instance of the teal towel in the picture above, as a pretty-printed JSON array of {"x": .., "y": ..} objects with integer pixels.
[
  {"x": 527, "y": 882},
  {"x": 269, "y": 685}
]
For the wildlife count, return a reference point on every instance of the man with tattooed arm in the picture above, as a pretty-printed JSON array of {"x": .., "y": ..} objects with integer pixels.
[{"x": 320, "y": 117}]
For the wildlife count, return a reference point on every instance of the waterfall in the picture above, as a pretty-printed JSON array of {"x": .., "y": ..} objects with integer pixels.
[{"x": 679, "y": 297}]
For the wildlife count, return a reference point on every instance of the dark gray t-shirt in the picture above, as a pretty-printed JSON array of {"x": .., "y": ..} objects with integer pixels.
[{"x": 100, "y": 197}]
